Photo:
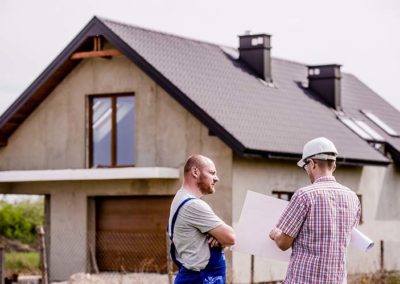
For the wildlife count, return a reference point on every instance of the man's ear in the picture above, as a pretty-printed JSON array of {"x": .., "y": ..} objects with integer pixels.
[
  {"x": 195, "y": 172},
  {"x": 312, "y": 164}
]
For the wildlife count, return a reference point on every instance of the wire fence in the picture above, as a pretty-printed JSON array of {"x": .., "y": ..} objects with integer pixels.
[
  {"x": 98, "y": 257},
  {"x": 131, "y": 252},
  {"x": 115, "y": 257}
]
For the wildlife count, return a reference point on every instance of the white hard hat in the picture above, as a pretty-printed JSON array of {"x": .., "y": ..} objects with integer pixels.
[{"x": 318, "y": 148}]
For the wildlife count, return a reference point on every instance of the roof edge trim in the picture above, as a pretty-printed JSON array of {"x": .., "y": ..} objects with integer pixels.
[{"x": 295, "y": 156}]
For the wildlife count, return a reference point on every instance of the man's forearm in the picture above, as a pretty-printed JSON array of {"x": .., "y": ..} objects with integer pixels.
[
  {"x": 224, "y": 234},
  {"x": 283, "y": 241}
]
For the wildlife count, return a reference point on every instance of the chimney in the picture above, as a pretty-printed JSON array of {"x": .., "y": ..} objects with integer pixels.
[
  {"x": 324, "y": 80},
  {"x": 255, "y": 52}
]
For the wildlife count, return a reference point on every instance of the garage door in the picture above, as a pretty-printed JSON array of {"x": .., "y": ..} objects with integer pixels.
[{"x": 130, "y": 233}]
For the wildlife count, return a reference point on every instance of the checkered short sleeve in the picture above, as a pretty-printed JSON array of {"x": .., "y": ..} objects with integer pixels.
[{"x": 294, "y": 215}]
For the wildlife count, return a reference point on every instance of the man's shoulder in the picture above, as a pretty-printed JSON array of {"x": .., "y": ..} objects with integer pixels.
[
  {"x": 305, "y": 190},
  {"x": 342, "y": 188},
  {"x": 309, "y": 190},
  {"x": 198, "y": 204}
]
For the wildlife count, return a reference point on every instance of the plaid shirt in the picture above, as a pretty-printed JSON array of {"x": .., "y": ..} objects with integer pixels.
[{"x": 320, "y": 217}]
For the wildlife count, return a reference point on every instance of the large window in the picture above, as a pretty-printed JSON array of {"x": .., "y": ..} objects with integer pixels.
[{"x": 112, "y": 133}]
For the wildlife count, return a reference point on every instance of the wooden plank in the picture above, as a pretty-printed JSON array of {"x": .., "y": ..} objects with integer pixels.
[{"x": 91, "y": 54}]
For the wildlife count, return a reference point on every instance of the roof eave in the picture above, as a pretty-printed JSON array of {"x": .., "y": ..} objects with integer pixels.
[
  {"x": 394, "y": 153},
  {"x": 296, "y": 156}
]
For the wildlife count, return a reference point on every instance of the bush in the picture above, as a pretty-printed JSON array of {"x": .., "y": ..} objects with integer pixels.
[{"x": 19, "y": 221}]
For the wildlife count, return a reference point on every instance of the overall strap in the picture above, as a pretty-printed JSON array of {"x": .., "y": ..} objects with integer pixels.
[{"x": 176, "y": 215}]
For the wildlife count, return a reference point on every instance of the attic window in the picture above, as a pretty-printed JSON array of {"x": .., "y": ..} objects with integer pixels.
[
  {"x": 361, "y": 129},
  {"x": 380, "y": 123}
]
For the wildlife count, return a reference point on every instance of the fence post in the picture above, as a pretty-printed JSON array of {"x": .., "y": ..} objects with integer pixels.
[
  {"x": 43, "y": 258},
  {"x": 2, "y": 264},
  {"x": 169, "y": 260},
  {"x": 382, "y": 255},
  {"x": 252, "y": 269}
]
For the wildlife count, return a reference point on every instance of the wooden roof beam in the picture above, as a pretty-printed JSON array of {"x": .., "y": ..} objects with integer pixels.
[
  {"x": 97, "y": 51},
  {"x": 107, "y": 53}
]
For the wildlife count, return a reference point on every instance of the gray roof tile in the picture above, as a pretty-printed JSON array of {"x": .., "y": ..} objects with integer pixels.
[{"x": 272, "y": 119}]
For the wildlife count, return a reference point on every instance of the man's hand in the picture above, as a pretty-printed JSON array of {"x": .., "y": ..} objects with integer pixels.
[
  {"x": 224, "y": 234},
  {"x": 282, "y": 240},
  {"x": 274, "y": 232},
  {"x": 213, "y": 242}
]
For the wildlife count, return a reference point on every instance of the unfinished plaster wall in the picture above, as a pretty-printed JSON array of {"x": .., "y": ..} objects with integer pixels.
[{"x": 379, "y": 187}]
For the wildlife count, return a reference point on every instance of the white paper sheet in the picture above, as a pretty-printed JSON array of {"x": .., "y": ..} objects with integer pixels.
[{"x": 259, "y": 215}]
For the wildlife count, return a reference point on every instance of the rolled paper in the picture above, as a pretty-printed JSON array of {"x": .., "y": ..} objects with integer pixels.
[{"x": 360, "y": 240}]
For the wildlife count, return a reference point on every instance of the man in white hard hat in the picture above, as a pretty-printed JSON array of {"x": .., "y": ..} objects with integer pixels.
[{"x": 318, "y": 221}]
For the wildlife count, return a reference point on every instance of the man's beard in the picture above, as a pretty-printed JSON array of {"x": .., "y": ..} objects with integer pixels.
[{"x": 205, "y": 187}]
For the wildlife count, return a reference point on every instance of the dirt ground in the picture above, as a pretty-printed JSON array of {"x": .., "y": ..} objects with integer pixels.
[{"x": 114, "y": 278}]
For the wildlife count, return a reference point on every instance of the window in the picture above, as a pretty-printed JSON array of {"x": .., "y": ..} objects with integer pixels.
[
  {"x": 361, "y": 129},
  {"x": 354, "y": 127},
  {"x": 285, "y": 195},
  {"x": 112, "y": 135},
  {"x": 380, "y": 123},
  {"x": 375, "y": 135}
]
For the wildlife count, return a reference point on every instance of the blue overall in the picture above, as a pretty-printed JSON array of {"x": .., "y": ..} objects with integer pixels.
[{"x": 213, "y": 273}]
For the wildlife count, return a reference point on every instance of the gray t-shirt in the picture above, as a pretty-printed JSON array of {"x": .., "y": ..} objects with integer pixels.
[{"x": 194, "y": 220}]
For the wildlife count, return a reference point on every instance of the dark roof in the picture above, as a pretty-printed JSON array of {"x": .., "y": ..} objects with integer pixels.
[
  {"x": 210, "y": 81},
  {"x": 357, "y": 96}
]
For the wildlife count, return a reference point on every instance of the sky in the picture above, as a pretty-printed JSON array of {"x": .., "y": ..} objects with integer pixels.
[{"x": 361, "y": 35}]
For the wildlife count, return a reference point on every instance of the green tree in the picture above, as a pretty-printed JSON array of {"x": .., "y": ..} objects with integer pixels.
[{"x": 19, "y": 221}]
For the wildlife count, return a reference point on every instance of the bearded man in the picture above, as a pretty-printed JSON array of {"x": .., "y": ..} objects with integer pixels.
[{"x": 198, "y": 235}]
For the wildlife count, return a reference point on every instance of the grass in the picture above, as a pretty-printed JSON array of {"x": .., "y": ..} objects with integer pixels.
[
  {"x": 378, "y": 278},
  {"x": 23, "y": 263}
]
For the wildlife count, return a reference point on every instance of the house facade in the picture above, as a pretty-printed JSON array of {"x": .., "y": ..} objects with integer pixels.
[{"x": 104, "y": 131}]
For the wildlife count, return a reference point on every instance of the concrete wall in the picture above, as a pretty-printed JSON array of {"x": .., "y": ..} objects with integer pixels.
[
  {"x": 381, "y": 213},
  {"x": 54, "y": 137},
  {"x": 380, "y": 198}
]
